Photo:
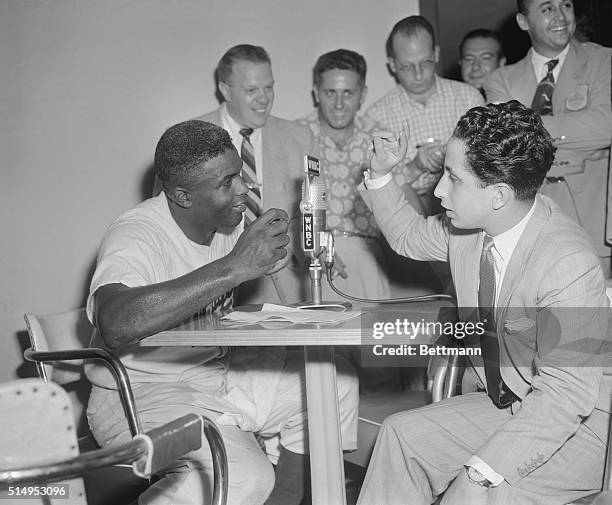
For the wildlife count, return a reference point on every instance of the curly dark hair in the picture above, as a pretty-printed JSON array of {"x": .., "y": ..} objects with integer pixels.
[
  {"x": 507, "y": 143},
  {"x": 183, "y": 148}
]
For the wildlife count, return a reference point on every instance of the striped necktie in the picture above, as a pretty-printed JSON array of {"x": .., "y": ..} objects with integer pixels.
[
  {"x": 249, "y": 174},
  {"x": 542, "y": 99},
  {"x": 489, "y": 345}
]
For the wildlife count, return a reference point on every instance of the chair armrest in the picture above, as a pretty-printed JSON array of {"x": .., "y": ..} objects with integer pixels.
[
  {"x": 219, "y": 456},
  {"x": 176, "y": 438},
  {"x": 437, "y": 388},
  {"x": 112, "y": 363},
  {"x": 148, "y": 453},
  {"x": 446, "y": 376},
  {"x": 74, "y": 467}
]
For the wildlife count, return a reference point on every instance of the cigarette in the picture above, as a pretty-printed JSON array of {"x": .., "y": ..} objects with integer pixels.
[{"x": 427, "y": 141}]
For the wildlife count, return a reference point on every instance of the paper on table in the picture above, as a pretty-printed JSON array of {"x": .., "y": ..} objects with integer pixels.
[{"x": 270, "y": 312}]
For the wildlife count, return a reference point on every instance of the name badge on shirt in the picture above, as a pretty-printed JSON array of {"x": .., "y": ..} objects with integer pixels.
[{"x": 578, "y": 98}]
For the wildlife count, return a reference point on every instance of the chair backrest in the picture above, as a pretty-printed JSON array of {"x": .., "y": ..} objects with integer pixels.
[
  {"x": 37, "y": 428},
  {"x": 62, "y": 330}
]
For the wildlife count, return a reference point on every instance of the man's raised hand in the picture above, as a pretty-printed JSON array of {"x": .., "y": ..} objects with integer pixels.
[{"x": 388, "y": 150}]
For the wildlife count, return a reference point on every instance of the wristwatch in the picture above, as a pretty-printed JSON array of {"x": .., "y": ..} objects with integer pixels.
[{"x": 475, "y": 477}]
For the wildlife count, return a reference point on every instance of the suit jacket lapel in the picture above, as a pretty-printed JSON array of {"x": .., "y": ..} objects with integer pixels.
[
  {"x": 569, "y": 77},
  {"x": 522, "y": 252},
  {"x": 466, "y": 267},
  {"x": 273, "y": 170},
  {"x": 522, "y": 81}
]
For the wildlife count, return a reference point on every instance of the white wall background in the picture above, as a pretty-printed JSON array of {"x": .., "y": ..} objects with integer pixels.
[{"x": 88, "y": 86}]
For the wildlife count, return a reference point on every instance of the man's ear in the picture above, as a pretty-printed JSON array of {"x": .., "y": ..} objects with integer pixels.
[
  {"x": 364, "y": 93},
  {"x": 224, "y": 89},
  {"x": 391, "y": 63},
  {"x": 502, "y": 61},
  {"x": 502, "y": 195},
  {"x": 180, "y": 196},
  {"x": 315, "y": 96},
  {"x": 437, "y": 54},
  {"x": 521, "y": 20}
]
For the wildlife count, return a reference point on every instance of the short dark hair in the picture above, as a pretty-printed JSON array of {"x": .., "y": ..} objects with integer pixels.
[
  {"x": 507, "y": 143},
  {"x": 183, "y": 148},
  {"x": 341, "y": 59},
  {"x": 523, "y": 6},
  {"x": 482, "y": 33},
  {"x": 241, "y": 52},
  {"x": 409, "y": 27}
]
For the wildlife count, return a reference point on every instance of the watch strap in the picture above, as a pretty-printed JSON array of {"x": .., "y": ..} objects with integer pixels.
[{"x": 476, "y": 477}]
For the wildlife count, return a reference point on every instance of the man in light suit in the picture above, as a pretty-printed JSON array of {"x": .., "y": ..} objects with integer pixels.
[
  {"x": 537, "y": 434},
  {"x": 246, "y": 84},
  {"x": 580, "y": 120}
]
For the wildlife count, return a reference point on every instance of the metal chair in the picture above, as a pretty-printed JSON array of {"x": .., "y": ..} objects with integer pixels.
[
  {"x": 59, "y": 346},
  {"x": 40, "y": 455}
]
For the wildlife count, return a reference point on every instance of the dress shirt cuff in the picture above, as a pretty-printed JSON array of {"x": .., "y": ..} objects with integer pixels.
[
  {"x": 492, "y": 476},
  {"x": 377, "y": 183}
]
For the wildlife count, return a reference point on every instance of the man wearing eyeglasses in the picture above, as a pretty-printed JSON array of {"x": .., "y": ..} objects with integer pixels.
[
  {"x": 480, "y": 53},
  {"x": 430, "y": 104}
]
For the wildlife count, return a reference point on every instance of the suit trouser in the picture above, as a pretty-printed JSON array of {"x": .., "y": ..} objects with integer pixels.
[
  {"x": 188, "y": 481},
  {"x": 419, "y": 452}
]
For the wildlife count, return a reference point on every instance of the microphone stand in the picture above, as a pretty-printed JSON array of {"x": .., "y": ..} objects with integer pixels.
[{"x": 315, "y": 273}]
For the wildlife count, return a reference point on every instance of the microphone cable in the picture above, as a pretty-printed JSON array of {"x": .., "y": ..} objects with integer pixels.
[{"x": 422, "y": 298}]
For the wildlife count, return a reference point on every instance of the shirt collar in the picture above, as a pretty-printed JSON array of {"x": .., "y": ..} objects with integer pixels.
[
  {"x": 233, "y": 128},
  {"x": 505, "y": 242},
  {"x": 538, "y": 61},
  {"x": 439, "y": 89},
  {"x": 363, "y": 125}
]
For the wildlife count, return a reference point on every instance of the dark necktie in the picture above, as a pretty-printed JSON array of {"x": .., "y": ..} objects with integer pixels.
[
  {"x": 542, "y": 99},
  {"x": 249, "y": 174},
  {"x": 497, "y": 390}
]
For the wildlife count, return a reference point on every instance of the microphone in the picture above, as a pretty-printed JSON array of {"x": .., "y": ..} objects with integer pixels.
[
  {"x": 313, "y": 208},
  {"x": 315, "y": 238}
]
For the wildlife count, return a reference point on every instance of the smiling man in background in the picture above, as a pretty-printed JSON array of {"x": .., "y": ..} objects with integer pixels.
[
  {"x": 272, "y": 151},
  {"x": 342, "y": 139},
  {"x": 568, "y": 83},
  {"x": 480, "y": 53}
]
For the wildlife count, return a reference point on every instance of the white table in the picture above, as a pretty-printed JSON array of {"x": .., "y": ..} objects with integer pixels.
[{"x": 326, "y": 463}]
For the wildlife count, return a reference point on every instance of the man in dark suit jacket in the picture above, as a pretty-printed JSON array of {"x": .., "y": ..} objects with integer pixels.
[
  {"x": 536, "y": 432},
  {"x": 581, "y": 118},
  {"x": 246, "y": 83}
]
